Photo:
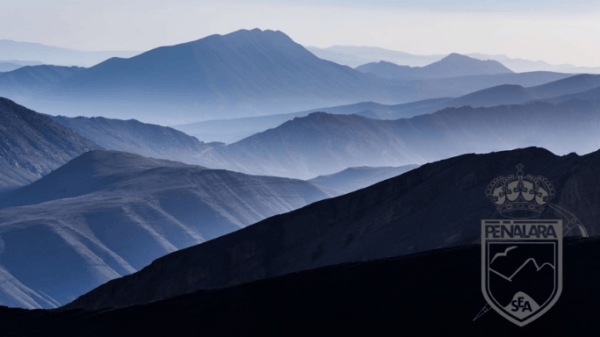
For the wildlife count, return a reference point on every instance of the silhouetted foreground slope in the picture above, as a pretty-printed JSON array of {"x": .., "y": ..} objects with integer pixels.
[
  {"x": 432, "y": 293},
  {"x": 436, "y": 205}
]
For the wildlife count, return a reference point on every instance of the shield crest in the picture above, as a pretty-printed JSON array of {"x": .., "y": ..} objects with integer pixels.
[{"x": 521, "y": 266}]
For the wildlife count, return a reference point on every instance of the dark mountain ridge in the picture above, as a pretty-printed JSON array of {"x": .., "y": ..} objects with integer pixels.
[
  {"x": 414, "y": 212},
  {"x": 361, "y": 298}
]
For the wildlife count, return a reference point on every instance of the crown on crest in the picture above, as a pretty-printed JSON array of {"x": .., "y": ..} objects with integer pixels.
[{"x": 518, "y": 196}]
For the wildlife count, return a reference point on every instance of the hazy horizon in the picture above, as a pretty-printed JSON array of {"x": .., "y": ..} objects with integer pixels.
[{"x": 551, "y": 31}]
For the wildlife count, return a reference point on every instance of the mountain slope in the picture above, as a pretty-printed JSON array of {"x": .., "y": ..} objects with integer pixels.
[
  {"x": 133, "y": 136},
  {"x": 453, "y": 65},
  {"x": 322, "y": 144},
  {"x": 32, "y": 145},
  {"x": 556, "y": 91},
  {"x": 436, "y": 205},
  {"x": 243, "y": 73},
  {"x": 8, "y": 66},
  {"x": 355, "y": 178},
  {"x": 106, "y": 214},
  {"x": 362, "y": 298}
]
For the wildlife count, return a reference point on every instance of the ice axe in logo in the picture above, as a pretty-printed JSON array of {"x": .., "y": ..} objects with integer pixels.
[{"x": 571, "y": 223}]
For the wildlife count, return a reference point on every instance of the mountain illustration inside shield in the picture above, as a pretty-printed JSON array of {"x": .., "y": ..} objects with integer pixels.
[{"x": 522, "y": 276}]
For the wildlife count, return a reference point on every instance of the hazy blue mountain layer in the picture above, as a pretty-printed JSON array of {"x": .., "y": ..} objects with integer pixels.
[
  {"x": 355, "y": 56},
  {"x": 453, "y": 65},
  {"x": 8, "y": 66},
  {"x": 32, "y": 52},
  {"x": 322, "y": 144},
  {"x": 355, "y": 178},
  {"x": 232, "y": 130},
  {"x": 133, "y": 136},
  {"x": 242, "y": 74},
  {"x": 106, "y": 214},
  {"x": 32, "y": 145}
]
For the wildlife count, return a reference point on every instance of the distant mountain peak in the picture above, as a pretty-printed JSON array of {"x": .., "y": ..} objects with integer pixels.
[{"x": 453, "y": 65}]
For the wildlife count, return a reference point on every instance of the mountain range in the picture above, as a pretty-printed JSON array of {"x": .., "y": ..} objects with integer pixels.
[
  {"x": 106, "y": 214},
  {"x": 235, "y": 129},
  {"x": 245, "y": 72},
  {"x": 453, "y": 65},
  {"x": 322, "y": 143},
  {"x": 241, "y": 74},
  {"x": 434, "y": 206},
  {"x": 356, "y": 56},
  {"x": 136, "y": 137}
]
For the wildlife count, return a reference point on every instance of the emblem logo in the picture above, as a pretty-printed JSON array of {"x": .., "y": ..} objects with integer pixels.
[
  {"x": 521, "y": 267},
  {"x": 521, "y": 258}
]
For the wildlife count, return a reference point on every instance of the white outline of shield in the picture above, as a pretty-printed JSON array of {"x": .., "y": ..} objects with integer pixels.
[{"x": 558, "y": 292}]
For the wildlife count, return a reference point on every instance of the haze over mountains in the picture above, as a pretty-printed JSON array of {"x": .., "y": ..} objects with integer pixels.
[
  {"x": 106, "y": 214},
  {"x": 356, "y": 56},
  {"x": 6, "y": 66},
  {"x": 453, "y": 65},
  {"x": 36, "y": 52},
  {"x": 242, "y": 74},
  {"x": 124, "y": 212},
  {"x": 322, "y": 144},
  {"x": 235, "y": 129},
  {"x": 355, "y": 178},
  {"x": 245, "y": 72},
  {"x": 133, "y": 136}
]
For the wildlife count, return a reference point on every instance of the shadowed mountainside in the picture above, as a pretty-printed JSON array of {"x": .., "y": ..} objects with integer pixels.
[
  {"x": 436, "y": 205},
  {"x": 354, "y": 299}
]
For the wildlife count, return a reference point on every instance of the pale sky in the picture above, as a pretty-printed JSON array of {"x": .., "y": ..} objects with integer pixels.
[{"x": 554, "y": 31}]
